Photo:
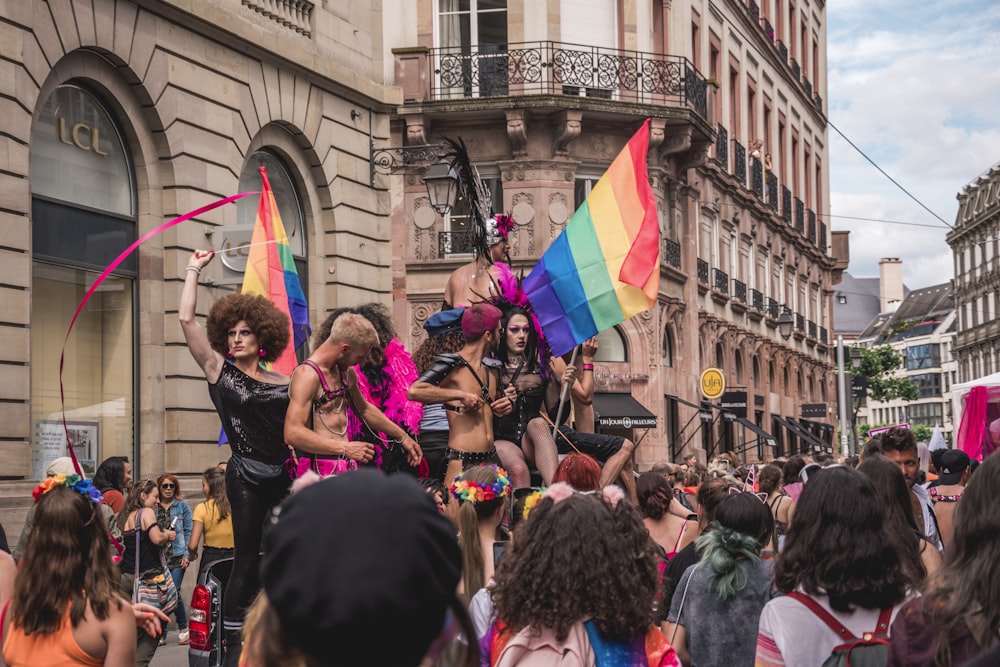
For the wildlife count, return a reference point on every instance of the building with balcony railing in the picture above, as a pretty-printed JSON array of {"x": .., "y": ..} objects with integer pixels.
[{"x": 544, "y": 105}]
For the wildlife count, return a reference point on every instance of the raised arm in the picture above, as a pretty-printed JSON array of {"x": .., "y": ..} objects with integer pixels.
[{"x": 208, "y": 359}]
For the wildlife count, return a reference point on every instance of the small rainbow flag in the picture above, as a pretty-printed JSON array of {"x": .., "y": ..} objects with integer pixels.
[
  {"x": 271, "y": 272},
  {"x": 605, "y": 266}
]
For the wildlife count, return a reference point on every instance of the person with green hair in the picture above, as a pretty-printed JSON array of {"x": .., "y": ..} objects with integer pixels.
[{"x": 717, "y": 603}]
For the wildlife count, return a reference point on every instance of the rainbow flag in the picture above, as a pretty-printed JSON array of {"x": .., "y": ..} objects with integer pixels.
[
  {"x": 271, "y": 272},
  {"x": 605, "y": 266}
]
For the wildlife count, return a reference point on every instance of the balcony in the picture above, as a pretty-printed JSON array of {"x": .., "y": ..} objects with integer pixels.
[
  {"x": 721, "y": 283},
  {"x": 821, "y": 239},
  {"x": 702, "y": 271},
  {"x": 800, "y": 219},
  {"x": 456, "y": 243},
  {"x": 811, "y": 329},
  {"x": 807, "y": 84},
  {"x": 771, "y": 184},
  {"x": 722, "y": 148},
  {"x": 671, "y": 253},
  {"x": 740, "y": 163},
  {"x": 772, "y": 308},
  {"x": 768, "y": 29},
  {"x": 800, "y": 323},
  {"x": 796, "y": 70},
  {"x": 811, "y": 229},
  {"x": 823, "y": 335},
  {"x": 555, "y": 68},
  {"x": 757, "y": 177},
  {"x": 757, "y": 300},
  {"x": 740, "y": 291},
  {"x": 819, "y": 102},
  {"x": 782, "y": 51},
  {"x": 786, "y": 204},
  {"x": 754, "y": 9}
]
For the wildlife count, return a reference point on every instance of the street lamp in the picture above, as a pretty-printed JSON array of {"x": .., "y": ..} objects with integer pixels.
[
  {"x": 442, "y": 184},
  {"x": 856, "y": 358},
  {"x": 785, "y": 323}
]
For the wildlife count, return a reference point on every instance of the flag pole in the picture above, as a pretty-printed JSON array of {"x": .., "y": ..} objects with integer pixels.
[{"x": 562, "y": 396}]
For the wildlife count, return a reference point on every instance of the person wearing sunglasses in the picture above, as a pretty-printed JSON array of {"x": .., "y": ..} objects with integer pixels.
[{"x": 174, "y": 512}]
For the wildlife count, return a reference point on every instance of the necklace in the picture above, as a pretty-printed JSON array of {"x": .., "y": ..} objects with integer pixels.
[
  {"x": 333, "y": 411},
  {"x": 513, "y": 361}
]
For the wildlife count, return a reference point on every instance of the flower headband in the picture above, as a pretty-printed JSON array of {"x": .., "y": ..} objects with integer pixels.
[
  {"x": 529, "y": 503},
  {"x": 72, "y": 481},
  {"x": 477, "y": 492}
]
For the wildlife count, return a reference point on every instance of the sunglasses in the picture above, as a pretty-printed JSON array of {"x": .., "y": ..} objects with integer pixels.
[{"x": 167, "y": 485}]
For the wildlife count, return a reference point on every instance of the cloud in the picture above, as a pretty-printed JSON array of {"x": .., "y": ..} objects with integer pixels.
[{"x": 916, "y": 88}]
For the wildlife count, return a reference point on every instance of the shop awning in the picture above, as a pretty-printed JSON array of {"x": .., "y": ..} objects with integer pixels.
[
  {"x": 621, "y": 410},
  {"x": 762, "y": 435},
  {"x": 801, "y": 433}
]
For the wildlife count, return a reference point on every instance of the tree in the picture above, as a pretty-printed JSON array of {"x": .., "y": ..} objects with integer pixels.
[{"x": 878, "y": 366}]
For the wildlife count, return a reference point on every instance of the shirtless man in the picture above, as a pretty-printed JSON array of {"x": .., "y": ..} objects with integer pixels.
[
  {"x": 467, "y": 383},
  {"x": 327, "y": 389},
  {"x": 484, "y": 276}
]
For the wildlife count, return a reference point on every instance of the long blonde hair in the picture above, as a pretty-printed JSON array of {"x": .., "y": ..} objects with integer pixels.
[{"x": 472, "y": 509}]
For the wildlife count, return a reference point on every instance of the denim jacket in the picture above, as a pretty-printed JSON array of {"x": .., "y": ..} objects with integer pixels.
[{"x": 181, "y": 510}]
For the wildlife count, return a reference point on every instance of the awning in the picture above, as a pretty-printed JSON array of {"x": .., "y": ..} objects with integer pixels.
[
  {"x": 800, "y": 432},
  {"x": 620, "y": 410},
  {"x": 762, "y": 435}
]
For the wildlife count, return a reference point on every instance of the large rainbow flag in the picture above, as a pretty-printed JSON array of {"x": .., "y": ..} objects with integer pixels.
[
  {"x": 271, "y": 272},
  {"x": 605, "y": 266}
]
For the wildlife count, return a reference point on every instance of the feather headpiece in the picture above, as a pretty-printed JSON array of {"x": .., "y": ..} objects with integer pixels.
[{"x": 476, "y": 194}]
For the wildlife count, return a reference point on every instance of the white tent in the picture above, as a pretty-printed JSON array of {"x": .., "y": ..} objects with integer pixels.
[
  {"x": 977, "y": 425},
  {"x": 959, "y": 391}
]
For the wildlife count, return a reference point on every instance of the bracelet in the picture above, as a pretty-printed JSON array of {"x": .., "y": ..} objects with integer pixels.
[
  {"x": 193, "y": 268},
  {"x": 588, "y": 367}
]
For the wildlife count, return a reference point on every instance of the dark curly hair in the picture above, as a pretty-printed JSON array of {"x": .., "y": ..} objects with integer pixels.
[
  {"x": 837, "y": 545},
  {"x": 322, "y": 332},
  {"x": 793, "y": 466},
  {"x": 445, "y": 343},
  {"x": 769, "y": 478},
  {"x": 572, "y": 562},
  {"x": 271, "y": 326},
  {"x": 654, "y": 493}
]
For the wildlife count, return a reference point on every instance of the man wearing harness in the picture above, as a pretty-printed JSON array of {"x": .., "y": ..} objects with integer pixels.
[
  {"x": 467, "y": 384},
  {"x": 321, "y": 394}
]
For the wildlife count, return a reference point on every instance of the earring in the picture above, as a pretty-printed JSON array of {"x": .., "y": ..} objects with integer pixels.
[
  {"x": 229, "y": 353},
  {"x": 263, "y": 352}
]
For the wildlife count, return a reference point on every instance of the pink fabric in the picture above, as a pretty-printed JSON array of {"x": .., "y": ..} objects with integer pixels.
[{"x": 972, "y": 431}]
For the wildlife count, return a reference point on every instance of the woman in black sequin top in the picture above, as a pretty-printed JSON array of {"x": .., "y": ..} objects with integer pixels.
[{"x": 251, "y": 402}]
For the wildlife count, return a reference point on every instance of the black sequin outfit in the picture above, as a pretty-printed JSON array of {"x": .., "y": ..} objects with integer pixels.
[
  {"x": 530, "y": 393},
  {"x": 252, "y": 413}
]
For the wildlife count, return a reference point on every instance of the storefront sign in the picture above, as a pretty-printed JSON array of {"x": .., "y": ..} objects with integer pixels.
[
  {"x": 712, "y": 383},
  {"x": 734, "y": 402}
]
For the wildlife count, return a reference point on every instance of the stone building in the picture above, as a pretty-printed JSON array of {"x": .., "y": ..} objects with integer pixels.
[
  {"x": 546, "y": 94},
  {"x": 974, "y": 243},
  {"x": 121, "y": 115}
]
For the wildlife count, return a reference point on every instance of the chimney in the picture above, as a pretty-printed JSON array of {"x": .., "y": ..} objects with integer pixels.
[{"x": 890, "y": 283}]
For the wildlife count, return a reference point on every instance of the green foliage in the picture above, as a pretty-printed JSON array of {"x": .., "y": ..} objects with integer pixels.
[
  {"x": 920, "y": 432},
  {"x": 879, "y": 364}
]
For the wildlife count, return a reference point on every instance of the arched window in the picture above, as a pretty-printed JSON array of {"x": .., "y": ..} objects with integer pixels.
[
  {"x": 611, "y": 346},
  {"x": 738, "y": 368},
  {"x": 756, "y": 371},
  {"x": 83, "y": 215},
  {"x": 720, "y": 356},
  {"x": 668, "y": 347},
  {"x": 770, "y": 376}
]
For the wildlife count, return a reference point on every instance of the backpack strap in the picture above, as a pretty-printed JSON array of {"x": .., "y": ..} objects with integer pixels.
[{"x": 825, "y": 616}]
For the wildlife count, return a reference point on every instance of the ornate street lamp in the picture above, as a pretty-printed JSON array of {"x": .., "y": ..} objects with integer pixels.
[
  {"x": 442, "y": 185},
  {"x": 785, "y": 323}
]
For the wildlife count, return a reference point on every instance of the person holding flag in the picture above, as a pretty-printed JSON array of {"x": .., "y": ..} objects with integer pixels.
[{"x": 247, "y": 333}]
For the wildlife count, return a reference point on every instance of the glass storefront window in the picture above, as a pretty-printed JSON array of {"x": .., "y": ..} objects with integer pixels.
[{"x": 98, "y": 370}]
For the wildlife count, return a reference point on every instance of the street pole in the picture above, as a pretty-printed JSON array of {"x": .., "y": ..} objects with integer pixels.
[{"x": 842, "y": 393}]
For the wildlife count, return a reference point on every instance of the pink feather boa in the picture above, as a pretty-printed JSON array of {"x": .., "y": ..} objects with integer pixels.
[{"x": 401, "y": 372}]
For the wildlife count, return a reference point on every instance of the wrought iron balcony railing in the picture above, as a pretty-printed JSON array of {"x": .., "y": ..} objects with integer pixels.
[
  {"x": 740, "y": 163},
  {"x": 811, "y": 229},
  {"x": 812, "y": 329},
  {"x": 671, "y": 253},
  {"x": 702, "y": 271},
  {"x": 555, "y": 68},
  {"x": 823, "y": 335},
  {"x": 786, "y": 203},
  {"x": 782, "y": 50},
  {"x": 740, "y": 291},
  {"x": 807, "y": 84},
  {"x": 800, "y": 323},
  {"x": 757, "y": 177},
  {"x": 757, "y": 300},
  {"x": 796, "y": 70},
  {"x": 721, "y": 281},
  {"x": 456, "y": 243},
  {"x": 800, "y": 219},
  {"x": 819, "y": 102},
  {"x": 754, "y": 9},
  {"x": 722, "y": 147},
  {"x": 771, "y": 184},
  {"x": 772, "y": 308},
  {"x": 821, "y": 239},
  {"x": 768, "y": 29}
]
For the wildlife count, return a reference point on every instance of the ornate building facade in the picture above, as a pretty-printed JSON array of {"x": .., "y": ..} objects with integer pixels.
[{"x": 546, "y": 94}]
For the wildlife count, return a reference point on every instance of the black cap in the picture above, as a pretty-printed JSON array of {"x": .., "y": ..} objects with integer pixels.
[
  {"x": 444, "y": 322},
  {"x": 953, "y": 464},
  {"x": 361, "y": 569}
]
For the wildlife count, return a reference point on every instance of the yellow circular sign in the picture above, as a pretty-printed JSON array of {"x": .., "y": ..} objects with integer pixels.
[{"x": 713, "y": 383}]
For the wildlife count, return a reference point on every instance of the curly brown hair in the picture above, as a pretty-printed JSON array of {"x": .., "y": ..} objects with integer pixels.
[
  {"x": 271, "y": 326},
  {"x": 322, "y": 332},
  {"x": 376, "y": 313},
  {"x": 445, "y": 343},
  {"x": 571, "y": 562}
]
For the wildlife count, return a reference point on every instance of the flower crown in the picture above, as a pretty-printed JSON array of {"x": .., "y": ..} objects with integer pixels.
[
  {"x": 530, "y": 502},
  {"x": 478, "y": 492},
  {"x": 73, "y": 481}
]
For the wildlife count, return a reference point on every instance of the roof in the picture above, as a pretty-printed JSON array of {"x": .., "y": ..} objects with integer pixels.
[
  {"x": 921, "y": 312},
  {"x": 856, "y": 302}
]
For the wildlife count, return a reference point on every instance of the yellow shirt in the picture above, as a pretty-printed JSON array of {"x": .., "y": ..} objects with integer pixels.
[{"x": 218, "y": 533}]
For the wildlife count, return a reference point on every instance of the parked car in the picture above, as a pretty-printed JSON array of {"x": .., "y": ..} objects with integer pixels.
[{"x": 205, "y": 616}]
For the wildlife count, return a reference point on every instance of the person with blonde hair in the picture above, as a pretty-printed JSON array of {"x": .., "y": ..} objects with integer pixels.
[{"x": 483, "y": 494}]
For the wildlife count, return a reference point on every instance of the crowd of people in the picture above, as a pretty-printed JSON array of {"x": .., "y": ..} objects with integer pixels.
[{"x": 449, "y": 508}]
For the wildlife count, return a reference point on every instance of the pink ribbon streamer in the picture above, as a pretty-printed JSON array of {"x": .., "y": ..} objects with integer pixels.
[{"x": 100, "y": 279}]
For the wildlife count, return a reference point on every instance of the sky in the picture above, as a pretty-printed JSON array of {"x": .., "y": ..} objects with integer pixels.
[{"x": 916, "y": 86}]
